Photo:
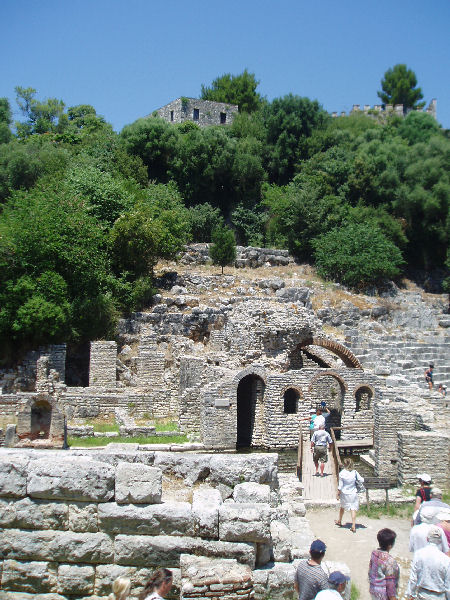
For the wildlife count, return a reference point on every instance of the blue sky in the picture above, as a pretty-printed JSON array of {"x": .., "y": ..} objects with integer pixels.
[{"x": 127, "y": 58}]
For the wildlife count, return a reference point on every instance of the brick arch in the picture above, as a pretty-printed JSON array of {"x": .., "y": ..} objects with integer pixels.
[
  {"x": 257, "y": 370},
  {"x": 347, "y": 357},
  {"x": 297, "y": 388},
  {"x": 331, "y": 373}
]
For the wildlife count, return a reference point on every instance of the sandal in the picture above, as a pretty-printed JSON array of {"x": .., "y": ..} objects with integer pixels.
[
  {"x": 353, "y": 529},
  {"x": 338, "y": 523}
]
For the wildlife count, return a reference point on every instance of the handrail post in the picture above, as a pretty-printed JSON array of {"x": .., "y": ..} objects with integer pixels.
[{"x": 300, "y": 454}]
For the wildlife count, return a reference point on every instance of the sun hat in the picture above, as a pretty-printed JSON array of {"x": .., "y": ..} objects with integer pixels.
[
  {"x": 427, "y": 514},
  {"x": 435, "y": 535},
  {"x": 317, "y": 546},
  {"x": 336, "y": 578},
  {"x": 424, "y": 477},
  {"x": 435, "y": 491},
  {"x": 444, "y": 515}
]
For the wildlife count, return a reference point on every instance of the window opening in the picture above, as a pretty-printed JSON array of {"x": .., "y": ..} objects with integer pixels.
[{"x": 196, "y": 114}]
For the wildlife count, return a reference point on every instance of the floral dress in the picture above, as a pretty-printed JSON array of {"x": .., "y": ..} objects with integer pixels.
[{"x": 384, "y": 574}]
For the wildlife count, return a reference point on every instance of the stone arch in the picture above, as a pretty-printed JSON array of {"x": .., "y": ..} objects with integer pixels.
[
  {"x": 251, "y": 370},
  {"x": 363, "y": 395},
  {"x": 330, "y": 387},
  {"x": 291, "y": 397},
  {"x": 250, "y": 389},
  {"x": 347, "y": 357}
]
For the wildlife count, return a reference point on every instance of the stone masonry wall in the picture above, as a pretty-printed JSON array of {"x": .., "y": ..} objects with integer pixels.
[
  {"x": 208, "y": 112},
  {"x": 417, "y": 450},
  {"x": 102, "y": 366},
  {"x": 246, "y": 256},
  {"x": 71, "y": 522}
]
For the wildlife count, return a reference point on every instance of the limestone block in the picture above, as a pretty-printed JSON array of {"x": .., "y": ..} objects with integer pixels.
[
  {"x": 106, "y": 574},
  {"x": 75, "y": 579},
  {"x": 223, "y": 576},
  {"x": 83, "y": 517},
  {"x": 164, "y": 551},
  {"x": 260, "y": 580},
  {"x": 61, "y": 546},
  {"x": 190, "y": 467},
  {"x": 295, "y": 509},
  {"x": 35, "y": 514},
  {"x": 26, "y": 596},
  {"x": 174, "y": 518},
  {"x": 13, "y": 475},
  {"x": 282, "y": 541},
  {"x": 7, "y": 513},
  {"x": 205, "y": 510},
  {"x": 302, "y": 537},
  {"x": 250, "y": 492},
  {"x": 138, "y": 484},
  {"x": 32, "y": 577},
  {"x": 71, "y": 478},
  {"x": 280, "y": 582},
  {"x": 244, "y": 522},
  {"x": 260, "y": 468}
]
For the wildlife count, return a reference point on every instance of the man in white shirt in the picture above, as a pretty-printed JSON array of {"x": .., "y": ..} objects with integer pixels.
[
  {"x": 337, "y": 582},
  {"x": 320, "y": 417},
  {"x": 419, "y": 533},
  {"x": 320, "y": 441},
  {"x": 435, "y": 502},
  {"x": 430, "y": 571}
]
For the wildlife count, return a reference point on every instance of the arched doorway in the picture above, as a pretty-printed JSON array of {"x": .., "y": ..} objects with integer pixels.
[
  {"x": 331, "y": 390},
  {"x": 250, "y": 397},
  {"x": 41, "y": 418}
]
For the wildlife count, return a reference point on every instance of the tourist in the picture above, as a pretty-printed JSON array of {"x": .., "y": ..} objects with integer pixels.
[
  {"x": 158, "y": 585},
  {"x": 320, "y": 416},
  {"x": 436, "y": 503},
  {"x": 311, "y": 422},
  {"x": 422, "y": 493},
  {"x": 320, "y": 441},
  {"x": 310, "y": 578},
  {"x": 120, "y": 589},
  {"x": 443, "y": 519},
  {"x": 429, "y": 376},
  {"x": 384, "y": 572},
  {"x": 347, "y": 492},
  {"x": 430, "y": 571},
  {"x": 419, "y": 533},
  {"x": 337, "y": 582},
  {"x": 442, "y": 389}
]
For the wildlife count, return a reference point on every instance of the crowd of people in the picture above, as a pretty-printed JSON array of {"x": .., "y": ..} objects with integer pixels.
[{"x": 429, "y": 542}]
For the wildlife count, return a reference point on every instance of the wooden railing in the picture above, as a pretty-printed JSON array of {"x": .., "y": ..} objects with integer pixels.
[
  {"x": 300, "y": 453},
  {"x": 335, "y": 452}
]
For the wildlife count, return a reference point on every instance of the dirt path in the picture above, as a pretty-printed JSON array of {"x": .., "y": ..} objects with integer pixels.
[{"x": 355, "y": 548}]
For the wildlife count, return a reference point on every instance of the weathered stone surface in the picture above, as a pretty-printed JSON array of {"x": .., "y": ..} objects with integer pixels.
[
  {"x": 27, "y": 596},
  {"x": 173, "y": 518},
  {"x": 13, "y": 475},
  {"x": 106, "y": 574},
  {"x": 7, "y": 513},
  {"x": 164, "y": 551},
  {"x": 280, "y": 582},
  {"x": 70, "y": 478},
  {"x": 244, "y": 522},
  {"x": 35, "y": 514},
  {"x": 282, "y": 541},
  {"x": 75, "y": 579},
  {"x": 260, "y": 468},
  {"x": 61, "y": 546},
  {"x": 138, "y": 484},
  {"x": 251, "y": 493},
  {"x": 214, "y": 577},
  {"x": 32, "y": 577},
  {"x": 83, "y": 517},
  {"x": 263, "y": 554},
  {"x": 190, "y": 467},
  {"x": 205, "y": 510}
]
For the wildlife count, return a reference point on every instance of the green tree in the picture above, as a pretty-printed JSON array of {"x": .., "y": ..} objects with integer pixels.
[
  {"x": 203, "y": 219},
  {"x": 223, "y": 248},
  {"x": 41, "y": 116},
  {"x": 399, "y": 87},
  {"x": 235, "y": 89},
  {"x": 358, "y": 255},
  {"x": 5, "y": 121}
]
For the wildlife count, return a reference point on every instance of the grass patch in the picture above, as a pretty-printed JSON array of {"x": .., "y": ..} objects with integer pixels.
[
  {"x": 376, "y": 511},
  {"x": 354, "y": 592},
  {"x": 446, "y": 497},
  {"x": 91, "y": 442},
  {"x": 169, "y": 426},
  {"x": 105, "y": 427}
]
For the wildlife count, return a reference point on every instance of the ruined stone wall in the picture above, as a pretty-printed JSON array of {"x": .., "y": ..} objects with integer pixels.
[
  {"x": 102, "y": 366},
  {"x": 202, "y": 112},
  {"x": 246, "y": 256},
  {"x": 417, "y": 450},
  {"x": 71, "y": 522}
]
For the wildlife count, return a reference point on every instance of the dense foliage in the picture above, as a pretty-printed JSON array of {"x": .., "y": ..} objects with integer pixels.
[{"x": 88, "y": 212}]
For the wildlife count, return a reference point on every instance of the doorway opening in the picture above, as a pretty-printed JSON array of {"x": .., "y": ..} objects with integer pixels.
[{"x": 250, "y": 394}]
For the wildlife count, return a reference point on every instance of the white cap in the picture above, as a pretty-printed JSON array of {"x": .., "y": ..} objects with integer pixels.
[
  {"x": 435, "y": 491},
  {"x": 424, "y": 477},
  {"x": 444, "y": 515},
  {"x": 427, "y": 513}
]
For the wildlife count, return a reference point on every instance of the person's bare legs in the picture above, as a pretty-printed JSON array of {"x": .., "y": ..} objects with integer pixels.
[
  {"x": 316, "y": 464},
  {"x": 322, "y": 466},
  {"x": 341, "y": 514},
  {"x": 353, "y": 513}
]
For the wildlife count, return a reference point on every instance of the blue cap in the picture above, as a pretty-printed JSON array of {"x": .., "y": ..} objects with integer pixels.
[
  {"x": 336, "y": 578},
  {"x": 317, "y": 546}
]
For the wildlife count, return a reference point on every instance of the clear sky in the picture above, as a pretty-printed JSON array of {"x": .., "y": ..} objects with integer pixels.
[{"x": 129, "y": 57}]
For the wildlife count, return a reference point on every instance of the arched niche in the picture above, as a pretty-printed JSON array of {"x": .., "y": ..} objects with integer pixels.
[
  {"x": 329, "y": 387},
  {"x": 291, "y": 398},
  {"x": 41, "y": 420},
  {"x": 363, "y": 398}
]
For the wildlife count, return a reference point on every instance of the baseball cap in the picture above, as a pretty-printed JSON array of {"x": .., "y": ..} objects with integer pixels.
[
  {"x": 444, "y": 515},
  {"x": 336, "y": 578},
  {"x": 317, "y": 546},
  {"x": 424, "y": 477}
]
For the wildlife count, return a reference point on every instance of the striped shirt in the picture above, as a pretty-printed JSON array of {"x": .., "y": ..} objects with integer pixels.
[{"x": 310, "y": 579}]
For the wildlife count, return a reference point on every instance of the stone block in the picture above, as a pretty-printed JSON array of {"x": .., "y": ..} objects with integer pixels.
[
  {"x": 244, "y": 522},
  {"x": 174, "y": 518},
  {"x": 260, "y": 468},
  {"x": 280, "y": 582},
  {"x": 205, "y": 510},
  {"x": 13, "y": 475},
  {"x": 32, "y": 577},
  {"x": 138, "y": 484},
  {"x": 26, "y": 596},
  {"x": 36, "y": 514},
  {"x": 281, "y": 540},
  {"x": 217, "y": 575},
  {"x": 71, "y": 478},
  {"x": 60, "y": 546},
  {"x": 106, "y": 574},
  {"x": 250, "y": 492},
  {"x": 263, "y": 554},
  {"x": 164, "y": 551},
  {"x": 83, "y": 517},
  {"x": 7, "y": 513},
  {"x": 75, "y": 579}
]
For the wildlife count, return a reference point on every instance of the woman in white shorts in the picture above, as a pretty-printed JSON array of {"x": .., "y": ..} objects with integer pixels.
[{"x": 347, "y": 493}]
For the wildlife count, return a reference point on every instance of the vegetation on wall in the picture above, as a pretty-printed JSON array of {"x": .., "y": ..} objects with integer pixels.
[{"x": 87, "y": 213}]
